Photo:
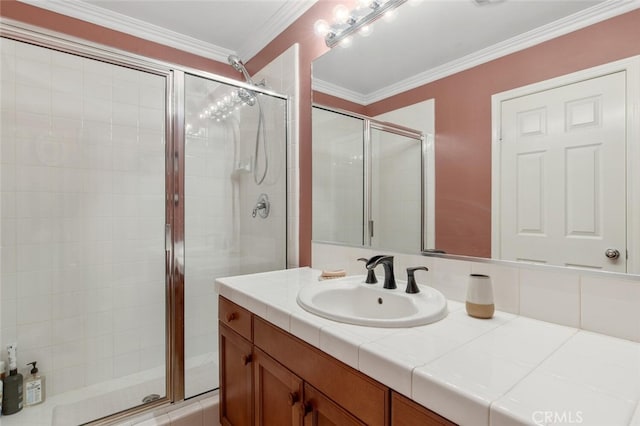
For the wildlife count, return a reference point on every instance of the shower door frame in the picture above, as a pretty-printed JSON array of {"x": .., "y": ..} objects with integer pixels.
[{"x": 174, "y": 182}]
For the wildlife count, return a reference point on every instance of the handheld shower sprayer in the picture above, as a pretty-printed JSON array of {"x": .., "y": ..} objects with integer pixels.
[{"x": 249, "y": 97}]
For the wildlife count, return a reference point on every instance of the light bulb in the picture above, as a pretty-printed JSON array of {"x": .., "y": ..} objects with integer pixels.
[
  {"x": 341, "y": 13},
  {"x": 346, "y": 42},
  {"x": 390, "y": 15},
  {"x": 365, "y": 30},
  {"x": 321, "y": 27}
]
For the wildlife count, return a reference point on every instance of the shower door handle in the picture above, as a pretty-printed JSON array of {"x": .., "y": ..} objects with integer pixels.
[{"x": 167, "y": 251}]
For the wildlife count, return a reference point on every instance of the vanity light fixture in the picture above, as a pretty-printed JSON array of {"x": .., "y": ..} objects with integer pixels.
[{"x": 347, "y": 23}]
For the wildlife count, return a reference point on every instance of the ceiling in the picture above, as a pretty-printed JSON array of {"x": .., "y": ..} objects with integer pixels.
[{"x": 421, "y": 43}]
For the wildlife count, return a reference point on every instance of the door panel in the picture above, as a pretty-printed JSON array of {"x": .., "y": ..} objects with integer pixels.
[
  {"x": 235, "y": 378},
  {"x": 277, "y": 393},
  {"x": 563, "y": 175}
]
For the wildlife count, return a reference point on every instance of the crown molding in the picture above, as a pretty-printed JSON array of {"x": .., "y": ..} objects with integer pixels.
[
  {"x": 119, "y": 22},
  {"x": 590, "y": 16},
  {"x": 338, "y": 91},
  {"x": 286, "y": 15}
]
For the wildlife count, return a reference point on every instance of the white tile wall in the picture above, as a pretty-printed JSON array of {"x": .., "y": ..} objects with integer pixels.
[
  {"x": 283, "y": 76},
  {"x": 82, "y": 214},
  {"x": 550, "y": 296},
  {"x": 610, "y": 306},
  {"x": 599, "y": 302}
]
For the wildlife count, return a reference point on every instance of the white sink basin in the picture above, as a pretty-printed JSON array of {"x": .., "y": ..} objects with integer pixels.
[{"x": 352, "y": 301}]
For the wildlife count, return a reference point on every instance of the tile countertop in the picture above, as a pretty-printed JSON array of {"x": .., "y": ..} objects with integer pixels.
[{"x": 508, "y": 370}]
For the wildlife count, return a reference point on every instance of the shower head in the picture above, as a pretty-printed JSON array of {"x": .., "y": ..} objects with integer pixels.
[{"x": 237, "y": 65}]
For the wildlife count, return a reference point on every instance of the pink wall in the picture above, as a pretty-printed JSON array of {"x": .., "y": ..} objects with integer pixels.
[{"x": 463, "y": 109}]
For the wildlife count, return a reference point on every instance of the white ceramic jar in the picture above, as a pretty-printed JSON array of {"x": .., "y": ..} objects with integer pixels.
[{"x": 479, "y": 302}]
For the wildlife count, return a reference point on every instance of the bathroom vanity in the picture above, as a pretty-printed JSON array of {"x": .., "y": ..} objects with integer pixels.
[
  {"x": 282, "y": 365},
  {"x": 314, "y": 388}
]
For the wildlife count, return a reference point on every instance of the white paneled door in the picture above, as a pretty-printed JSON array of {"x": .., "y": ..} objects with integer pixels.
[{"x": 563, "y": 175}]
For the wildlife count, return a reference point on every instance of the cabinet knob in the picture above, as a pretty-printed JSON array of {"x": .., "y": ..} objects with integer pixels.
[
  {"x": 246, "y": 359},
  {"x": 293, "y": 398},
  {"x": 306, "y": 408},
  {"x": 232, "y": 316}
]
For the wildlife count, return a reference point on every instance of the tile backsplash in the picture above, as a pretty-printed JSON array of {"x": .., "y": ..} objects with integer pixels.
[{"x": 599, "y": 302}]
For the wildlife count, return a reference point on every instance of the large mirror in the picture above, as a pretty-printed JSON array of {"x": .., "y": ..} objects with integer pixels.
[{"x": 480, "y": 65}]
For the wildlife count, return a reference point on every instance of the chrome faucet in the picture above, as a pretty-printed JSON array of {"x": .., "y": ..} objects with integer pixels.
[{"x": 387, "y": 263}]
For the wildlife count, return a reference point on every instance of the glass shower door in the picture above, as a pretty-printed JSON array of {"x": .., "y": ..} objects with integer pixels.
[
  {"x": 235, "y": 205},
  {"x": 396, "y": 191},
  {"x": 82, "y": 285},
  {"x": 338, "y": 177}
]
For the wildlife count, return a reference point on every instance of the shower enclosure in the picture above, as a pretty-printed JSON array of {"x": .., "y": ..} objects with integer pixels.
[
  {"x": 127, "y": 187},
  {"x": 367, "y": 181}
]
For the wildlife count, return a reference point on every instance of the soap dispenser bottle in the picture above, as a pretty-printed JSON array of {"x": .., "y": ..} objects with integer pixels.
[
  {"x": 34, "y": 386},
  {"x": 1, "y": 383},
  {"x": 12, "y": 392}
]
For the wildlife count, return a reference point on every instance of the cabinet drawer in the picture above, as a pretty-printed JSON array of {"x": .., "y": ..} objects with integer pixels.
[
  {"x": 360, "y": 395},
  {"x": 405, "y": 412},
  {"x": 235, "y": 317}
]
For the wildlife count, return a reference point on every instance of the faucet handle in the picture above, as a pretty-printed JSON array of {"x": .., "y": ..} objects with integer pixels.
[
  {"x": 412, "y": 287},
  {"x": 371, "y": 275}
]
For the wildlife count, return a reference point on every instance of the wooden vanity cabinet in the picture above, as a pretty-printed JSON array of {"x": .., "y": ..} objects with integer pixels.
[
  {"x": 277, "y": 392},
  {"x": 405, "y": 412},
  {"x": 321, "y": 411},
  {"x": 314, "y": 389},
  {"x": 236, "y": 404},
  {"x": 360, "y": 395}
]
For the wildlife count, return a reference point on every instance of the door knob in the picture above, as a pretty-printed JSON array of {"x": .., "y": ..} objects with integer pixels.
[{"x": 612, "y": 253}]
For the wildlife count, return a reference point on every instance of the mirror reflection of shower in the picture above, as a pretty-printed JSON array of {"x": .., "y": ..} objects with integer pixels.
[{"x": 261, "y": 133}]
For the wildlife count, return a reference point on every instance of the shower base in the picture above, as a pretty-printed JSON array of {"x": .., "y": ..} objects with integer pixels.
[{"x": 89, "y": 403}]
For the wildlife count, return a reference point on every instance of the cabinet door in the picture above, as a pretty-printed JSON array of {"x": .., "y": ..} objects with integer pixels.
[
  {"x": 321, "y": 411},
  {"x": 277, "y": 392},
  {"x": 236, "y": 402},
  {"x": 360, "y": 395},
  {"x": 405, "y": 412}
]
